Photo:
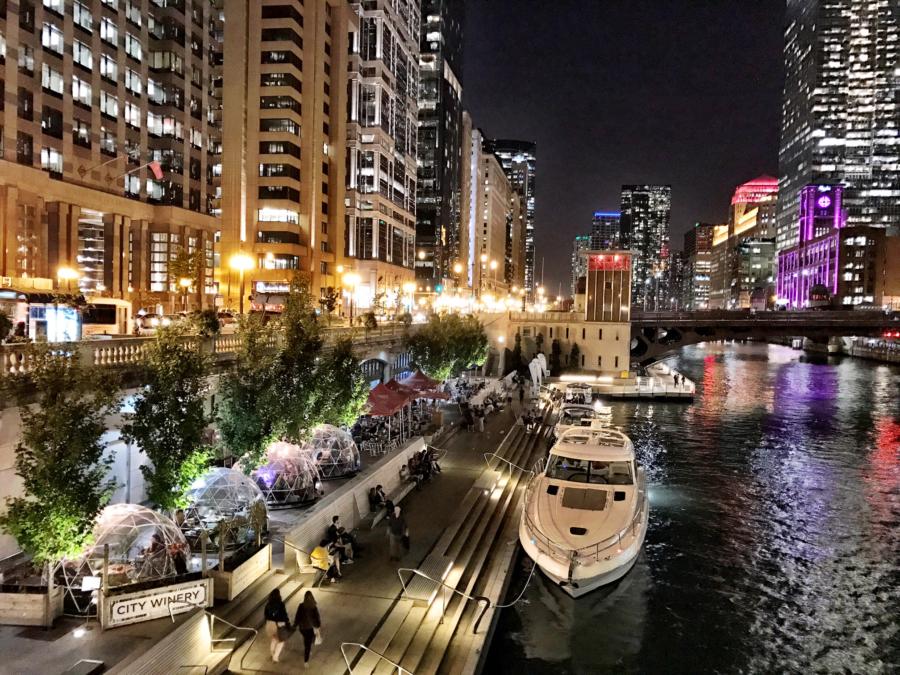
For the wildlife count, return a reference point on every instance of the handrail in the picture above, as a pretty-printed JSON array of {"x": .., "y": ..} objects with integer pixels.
[
  {"x": 400, "y": 669},
  {"x": 212, "y": 624},
  {"x": 296, "y": 548},
  {"x": 476, "y": 598},
  {"x": 503, "y": 459},
  {"x": 198, "y": 665}
]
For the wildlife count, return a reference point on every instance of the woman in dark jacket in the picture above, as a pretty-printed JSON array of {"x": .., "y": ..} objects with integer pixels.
[
  {"x": 276, "y": 615},
  {"x": 309, "y": 623}
]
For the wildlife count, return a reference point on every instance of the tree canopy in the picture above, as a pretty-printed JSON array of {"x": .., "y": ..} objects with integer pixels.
[{"x": 447, "y": 345}]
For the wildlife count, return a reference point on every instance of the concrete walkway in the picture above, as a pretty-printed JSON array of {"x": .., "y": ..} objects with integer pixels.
[{"x": 353, "y": 608}]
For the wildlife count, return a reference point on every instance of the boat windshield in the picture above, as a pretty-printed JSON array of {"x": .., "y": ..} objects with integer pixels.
[
  {"x": 576, "y": 417},
  {"x": 590, "y": 471}
]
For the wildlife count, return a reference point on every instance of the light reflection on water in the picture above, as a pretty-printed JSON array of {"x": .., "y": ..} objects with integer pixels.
[{"x": 774, "y": 541}]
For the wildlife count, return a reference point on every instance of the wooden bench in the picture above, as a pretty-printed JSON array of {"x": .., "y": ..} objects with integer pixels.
[{"x": 396, "y": 497}]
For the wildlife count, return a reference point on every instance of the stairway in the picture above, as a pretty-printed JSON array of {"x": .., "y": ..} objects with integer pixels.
[{"x": 419, "y": 627}]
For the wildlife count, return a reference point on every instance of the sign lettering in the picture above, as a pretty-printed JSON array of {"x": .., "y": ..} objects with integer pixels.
[{"x": 155, "y": 603}]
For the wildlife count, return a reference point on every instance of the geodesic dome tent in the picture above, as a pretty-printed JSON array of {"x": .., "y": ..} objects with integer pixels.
[
  {"x": 225, "y": 502},
  {"x": 143, "y": 545},
  {"x": 289, "y": 476},
  {"x": 334, "y": 451}
]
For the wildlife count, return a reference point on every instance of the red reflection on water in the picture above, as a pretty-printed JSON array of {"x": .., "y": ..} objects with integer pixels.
[{"x": 884, "y": 478}]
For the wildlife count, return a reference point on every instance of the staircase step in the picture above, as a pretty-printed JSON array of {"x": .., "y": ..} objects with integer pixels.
[
  {"x": 421, "y": 589},
  {"x": 382, "y": 639}
]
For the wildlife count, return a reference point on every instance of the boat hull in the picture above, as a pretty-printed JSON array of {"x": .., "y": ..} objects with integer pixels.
[{"x": 585, "y": 578}]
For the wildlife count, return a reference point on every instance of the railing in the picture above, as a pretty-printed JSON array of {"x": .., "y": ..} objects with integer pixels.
[
  {"x": 381, "y": 657},
  {"x": 212, "y": 625},
  {"x": 128, "y": 351},
  {"x": 444, "y": 588},
  {"x": 512, "y": 465},
  {"x": 586, "y": 554}
]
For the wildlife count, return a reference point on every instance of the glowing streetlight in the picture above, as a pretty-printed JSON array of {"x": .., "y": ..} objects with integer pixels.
[
  {"x": 241, "y": 262},
  {"x": 457, "y": 268},
  {"x": 484, "y": 257},
  {"x": 351, "y": 280},
  {"x": 493, "y": 264},
  {"x": 421, "y": 255},
  {"x": 68, "y": 275},
  {"x": 185, "y": 284}
]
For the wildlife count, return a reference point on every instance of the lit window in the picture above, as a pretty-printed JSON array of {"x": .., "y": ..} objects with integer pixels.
[
  {"x": 52, "y": 38},
  {"x": 51, "y": 79},
  {"x": 132, "y": 46},
  {"x": 108, "y": 30},
  {"x": 82, "y": 55},
  {"x": 109, "y": 104},
  {"x": 108, "y": 67},
  {"x": 51, "y": 160},
  {"x": 81, "y": 91}
]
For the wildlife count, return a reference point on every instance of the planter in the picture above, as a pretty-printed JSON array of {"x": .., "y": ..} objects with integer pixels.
[
  {"x": 229, "y": 585},
  {"x": 31, "y": 609}
]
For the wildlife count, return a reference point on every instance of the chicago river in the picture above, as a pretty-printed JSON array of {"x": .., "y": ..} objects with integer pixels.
[{"x": 774, "y": 540}]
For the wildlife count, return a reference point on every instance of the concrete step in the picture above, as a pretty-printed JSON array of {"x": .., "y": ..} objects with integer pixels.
[
  {"x": 421, "y": 589},
  {"x": 382, "y": 639}
]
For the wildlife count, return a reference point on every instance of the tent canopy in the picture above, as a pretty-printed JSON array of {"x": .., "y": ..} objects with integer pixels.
[
  {"x": 424, "y": 386},
  {"x": 399, "y": 388},
  {"x": 384, "y": 401}
]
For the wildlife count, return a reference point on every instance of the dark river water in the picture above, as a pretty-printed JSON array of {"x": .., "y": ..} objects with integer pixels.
[{"x": 774, "y": 539}]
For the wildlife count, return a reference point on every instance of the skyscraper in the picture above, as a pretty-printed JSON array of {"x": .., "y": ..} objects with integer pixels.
[
  {"x": 581, "y": 244},
  {"x": 284, "y": 163},
  {"x": 698, "y": 244},
  {"x": 518, "y": 161},
  {"x": 606, "y": 231},
  {"x": 111, "y": 147},
  {"x": 438, "y": 208},
  {"x": 840, "y": 119},
  {"x": 381, "y": 149},
  {"x": 645, "y": 214}
]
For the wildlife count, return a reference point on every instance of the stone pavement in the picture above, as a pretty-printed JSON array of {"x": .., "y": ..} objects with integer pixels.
[{"x": 352, "y": 608}]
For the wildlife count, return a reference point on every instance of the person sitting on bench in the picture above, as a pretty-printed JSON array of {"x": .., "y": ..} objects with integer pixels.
[
  {"x": 341, "y": 540},
  {"x": 323, "y": 558}
]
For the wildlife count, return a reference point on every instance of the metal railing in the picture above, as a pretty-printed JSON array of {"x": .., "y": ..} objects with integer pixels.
[
  {"x": 400, "y": 669},
  {"x": 512, "y": 465},
  {"x": 444, "y": 588},
  {"x": 212, "y": 625},
  {"x": 586, "y": 554}
]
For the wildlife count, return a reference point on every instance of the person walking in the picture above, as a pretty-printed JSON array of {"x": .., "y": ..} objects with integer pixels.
[
  {"x": 276, "y": 618},
  {"x": 309, "y": 623},
  {"x": 397, "y": 530}
]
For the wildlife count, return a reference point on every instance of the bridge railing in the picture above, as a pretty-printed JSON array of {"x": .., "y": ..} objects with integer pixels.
[{"x": 129, "y": 351}]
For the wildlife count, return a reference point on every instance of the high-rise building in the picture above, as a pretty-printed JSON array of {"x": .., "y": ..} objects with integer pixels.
[
  {"x": 698, "y": 244},
  {"x": 518, "y": 161},
  {"x": 673, "y": 296},
  {"x": 110, "y": 148},
  {"x": 840, "y": 120},
  {"x": 606, "y": 231},
  {"x": 645, "y": 215},
  {"x": 283, "y": 165},
  {"x": 440, "y": 151},
  {"x": 744, "y": 258},
  {"x": 494, "y": 214},
  {"x": 515, "y": 242},
  {"x": 581, "y": 244},
  {"x": 381, "y": 149},
  {"x": 471, "y": 163}
]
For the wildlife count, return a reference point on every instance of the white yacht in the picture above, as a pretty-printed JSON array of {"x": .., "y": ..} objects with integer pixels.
[
  {"x": 575, "y": 415},
  {"x": 586, "y": 509}
]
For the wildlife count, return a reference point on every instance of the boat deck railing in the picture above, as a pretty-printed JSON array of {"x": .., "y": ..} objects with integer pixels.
[{"x": 593, "y": 552}]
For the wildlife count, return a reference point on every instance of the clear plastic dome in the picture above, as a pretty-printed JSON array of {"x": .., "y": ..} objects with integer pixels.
[
  {"x": 290, "y": 475},
  {"x": 334, "y": 451},
  {"x": 224, "y": 501},
  {"x": 143, "y": 545}
]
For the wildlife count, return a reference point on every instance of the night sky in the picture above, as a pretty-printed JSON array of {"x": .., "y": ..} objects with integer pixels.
[{"x": 684, "y": 92}]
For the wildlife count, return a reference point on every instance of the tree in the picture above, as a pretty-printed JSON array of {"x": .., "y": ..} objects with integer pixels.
[
  {"x": 448, "y": 344},
  {"x": 206, "y": 322},
  {"x": 169, "y": 419},
  {"x": 555, "y": 358},
  {"x": 60, "y": 458},
  {"x": 406, "y": 319},
  {"x": 248, "y": 412},
  {"x": 6, "y": 325},
  {"x": 517, "y": 352},
  {"x": 539, "y": 341},
  {"x": 370, "y": 321},
  {"x": 328, "y": 302},
  {"x": 575, "y": 357},
  {"x": 186, "y": 266},
  {"x": 343, "y": 389}
]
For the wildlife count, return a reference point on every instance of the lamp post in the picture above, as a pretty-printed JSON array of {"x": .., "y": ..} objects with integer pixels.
[
  {"x": 67, "y": 274},
  {"x": 185, "y": 284},
  {"x": 241, "y": 262},
  {"x": 350, "y": 280}
]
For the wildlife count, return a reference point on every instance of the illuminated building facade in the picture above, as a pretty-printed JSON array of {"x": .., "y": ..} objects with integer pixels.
[
  {"x": 581, "y": 244},
  {"x": 518, "y": 161},
  {"x": 494, "y": 201},
  {"x": 698, "y": 243},
  {"x": 284, "y": 118},
  {"x": 606, "y": 231},
  {"x": 840, "y": 121},
  {"x": 645, "y": 214},
  {"x": 381, "y": 146},
  {"x": 440, "y": 139},
  {"x": 95, "y": 92}
]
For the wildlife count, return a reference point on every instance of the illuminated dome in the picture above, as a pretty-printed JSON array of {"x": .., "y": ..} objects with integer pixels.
[
  {"x": 290, "y": 475},
  {"x": 334, "y": 451},
  {"x": 225, "y": 499},
  {"x": 143, "y": 545}
]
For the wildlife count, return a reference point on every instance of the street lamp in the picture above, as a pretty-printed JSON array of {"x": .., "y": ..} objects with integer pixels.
[
  {"x": 67, "y": 274},
  {"x": 185, "y": 284},
  {"x": 241, "y": 262},
  {"x": 350, "y": 280}
]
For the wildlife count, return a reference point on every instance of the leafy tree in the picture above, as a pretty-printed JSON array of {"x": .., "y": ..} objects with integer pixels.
[
  {"x": 517, "y": 352},
  {"x": 448, "y": 344},
  {"x": 555, "y": 358},
  {"x": 170, "y": 419},
  {"x": 539, "y": 341},
  {"x": 60, "y": 457},
  {"x": 328, "y": 302},
  {"x": 406, "y": 319},
  {"x": 575, "y": 356},
  {"x": 248, "y": 411},
  {"x": 370, "y": 321},
  {"x": 343, "y": 390},
  {"x": 206, "y": 322}
]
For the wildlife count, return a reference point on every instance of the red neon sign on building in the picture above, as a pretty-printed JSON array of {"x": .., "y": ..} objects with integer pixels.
[{"x": 613, "y": 262}]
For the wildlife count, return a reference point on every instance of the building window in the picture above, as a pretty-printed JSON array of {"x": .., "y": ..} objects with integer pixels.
[
  {"x": 82, "y": 15},
  {"x": 52, "y": 39},
  {"x": 108, "y": 31},
  {"x": 82, "y": 55},
  {"x": 26, "y": 104},
  {"x": 600, "y": 334},
  {"x": 81, "y": 133},
  {"x": 52, "y": 80},
  {"x": 24, "y": 149},
  {"x": 133, "y": 46},
  {"x": 51, "y": 160},
  {"x": 109, "y": 104},
  {"x": 52, "y": 122},
  {"x": 26, "y": 59},
  {"x": 599, "y": 361},
  {"x": 109, "y": 69},
  {"x": 133, "y": 81}
]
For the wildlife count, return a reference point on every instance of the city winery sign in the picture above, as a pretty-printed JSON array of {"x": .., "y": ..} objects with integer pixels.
[{"x": 156, "y": 603}]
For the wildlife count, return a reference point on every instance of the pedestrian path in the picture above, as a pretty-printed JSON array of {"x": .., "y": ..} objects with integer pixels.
[{"x": 366, "y": 603}]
